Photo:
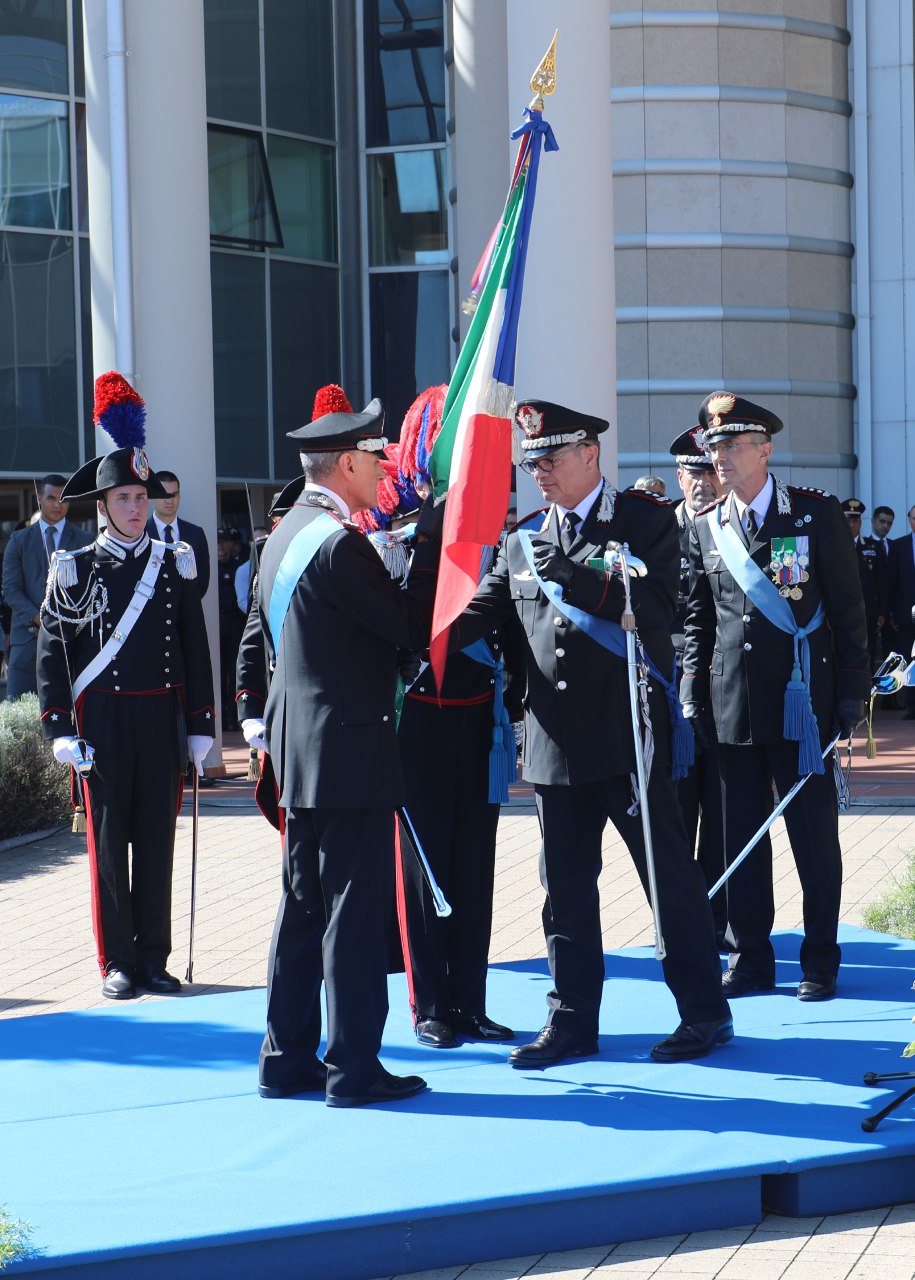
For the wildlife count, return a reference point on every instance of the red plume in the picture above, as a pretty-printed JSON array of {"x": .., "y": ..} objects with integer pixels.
[
  {"x": 330, "y": 399},
  {"x": 434, "y": 397}
]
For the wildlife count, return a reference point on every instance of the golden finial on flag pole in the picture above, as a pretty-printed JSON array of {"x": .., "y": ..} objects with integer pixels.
[{"x": 543, "y": 81}]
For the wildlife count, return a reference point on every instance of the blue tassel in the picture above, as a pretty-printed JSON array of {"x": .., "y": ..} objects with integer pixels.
[
  {"x": 498, "y": 768},
  {"x": 797, "y": 706},
  {"x": 682, "y": 740},
  {"x": 809, "y": 753}
]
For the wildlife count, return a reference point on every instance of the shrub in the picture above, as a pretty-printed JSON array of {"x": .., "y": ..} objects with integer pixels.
[
  {"x": 34, "y": 788},
  {"x": 14, "y": 1238},
  {"x": 895, "y": 912}
]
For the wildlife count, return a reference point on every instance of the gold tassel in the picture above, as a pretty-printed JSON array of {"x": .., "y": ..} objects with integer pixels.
[
  {"x": 79, "y": 820},
  {"x": 254, "y": 765},
  {"x": 870, "y": 747}
]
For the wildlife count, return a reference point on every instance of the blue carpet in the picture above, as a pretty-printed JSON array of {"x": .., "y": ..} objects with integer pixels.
[{"x": 133, "y": 1140}]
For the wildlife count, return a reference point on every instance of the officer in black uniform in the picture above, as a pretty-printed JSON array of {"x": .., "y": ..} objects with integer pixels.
[
  {"x": 122, "y": 619},
  {"x": 333, "y": 620},
  {"x": 791, "y": 548},
  {"x": 578, "y": 748},
  {"x": 699, "y": 792},
  {"x": 872, "y": 572}
]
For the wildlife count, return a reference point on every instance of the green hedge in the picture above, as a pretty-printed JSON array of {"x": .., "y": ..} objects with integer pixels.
[
  {"x": 895, "y": 912},
  {"x": 34, "y": 788}
]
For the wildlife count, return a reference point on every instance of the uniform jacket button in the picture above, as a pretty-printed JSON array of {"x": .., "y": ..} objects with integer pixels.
[
  {"x": 557, "y": 622},
  {"x": 748, "y": 646},
  {"x": 561, "y": 684},
  {"x": 385, "y": 717},
  {"x": 560, "y": 653},
  {"x": 746, "y": 617}
]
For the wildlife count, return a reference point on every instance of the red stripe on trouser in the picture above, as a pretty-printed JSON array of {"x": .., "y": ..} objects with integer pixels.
[
  {"x": 401, "y": 898},
  {"x": 93, "y": 883}
]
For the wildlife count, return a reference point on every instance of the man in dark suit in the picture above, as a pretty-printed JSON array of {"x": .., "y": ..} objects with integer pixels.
[
  {"x": 766, "y": 560},
  {"x": 699, "y": 792},
  {"x": 25, "y": 573},
  {"x": 872, "y": 572},
  {"x": 164, "y": 524},
  {"x": 333, "y": 619},
  {"x": 578, "y": 746},
  {"x": 901, "y": 633}
]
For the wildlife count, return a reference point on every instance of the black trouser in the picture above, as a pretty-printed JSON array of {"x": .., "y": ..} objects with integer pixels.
[
  {"x": 337, "y": 884},
  {"x": 699, "y": 794},
  {"x": 445, "y": 755},
  {"x": 812, "y": 820},
  {"x": 134, "y": 793},
  {"x": 572, "y": 820}
]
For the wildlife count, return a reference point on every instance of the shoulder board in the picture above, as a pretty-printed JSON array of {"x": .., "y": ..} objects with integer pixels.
[
  {"x": 809, "y": 488},
  {"x": 519, "y": 524},
  {"x": 712, "y": 505},
  {"x": 185, "y": 560},
  {"x": 656, "y": 498}
]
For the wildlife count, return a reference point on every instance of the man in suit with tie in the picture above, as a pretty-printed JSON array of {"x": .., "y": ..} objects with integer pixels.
[
  {"x": 165, "y": 525},
  {"x": 25, "y": 572},
  {"x": 901, "y": 634},
  {"x": 776, "y": 646},
  {"x": 578, "y": 744}
]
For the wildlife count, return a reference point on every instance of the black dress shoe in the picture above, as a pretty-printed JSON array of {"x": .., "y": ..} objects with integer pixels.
[
  {"x": 552, "y": 1045},
  {"x": 734, "y": 983},
  {"x": 118, "y": 984},
  {"x": 387, "y": 1088},
  {"x": 479, "y": 1027},
  {"x": 817, "y": 986},
  {"x": 435, "y": 1033},
  {"x": 315, "y": 1083},
  {"x": 693, "y": 1040},
  {"x": 152, "y": 977}
]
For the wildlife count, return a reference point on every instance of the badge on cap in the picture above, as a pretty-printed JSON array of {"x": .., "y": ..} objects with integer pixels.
[
  {"x": 530, "y": 420},
  {"x": 719, "y": 405},
  {"x": 139, "y": 465}
]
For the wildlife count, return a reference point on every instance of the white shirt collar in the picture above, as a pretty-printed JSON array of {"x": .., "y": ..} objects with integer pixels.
[
  {"x": 311, "y": 487},
  {"x": 760, "y": 503},
  {"x": 160, "y": 526},
  {"x": 584, "y": 506}
]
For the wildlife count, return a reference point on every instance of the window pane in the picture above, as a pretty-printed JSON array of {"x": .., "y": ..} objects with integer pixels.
[
  {"x": 240, "y": 365},
  {"x": 33, "y": 45},
  {"x": 299, "y": 66},
  {"x": 79, "y": 60},
  {"x": 242, "y": 208},
  {"x": 38, "y": 392},
  {"x": 232, "y": 38},
  {"x": 408, "y": 221},
  {"x": 34, "y": 163},
  {"x": 303, "y": 183},
  {"x": 305, "y": 315},
  {"x": 404, "y": 72},
  {"x": 411, "y": 330}
]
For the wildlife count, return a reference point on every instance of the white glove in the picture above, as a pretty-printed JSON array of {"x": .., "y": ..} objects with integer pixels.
[
  {"x": 198, "y": 748},
  {"x": 75, "y": 752},
  {"x": 254, "y": 731}
]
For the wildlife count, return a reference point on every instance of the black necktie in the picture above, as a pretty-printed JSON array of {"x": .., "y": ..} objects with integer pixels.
[
  {"x": 167, "y": 535},
  {"x": 751, "y": 525},
  {"x": 49, "y": 542},
  {"x": 567, "y": 530}
]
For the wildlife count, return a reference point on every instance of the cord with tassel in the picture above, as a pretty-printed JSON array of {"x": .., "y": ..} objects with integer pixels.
[{"x": 254, "y": 765}]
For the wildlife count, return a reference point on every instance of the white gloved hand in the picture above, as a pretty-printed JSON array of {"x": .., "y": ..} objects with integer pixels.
[
  {"x": 75, "y": 752},
  {"x": 198, "y": 748},
  {"x": 254, "y": 731}
]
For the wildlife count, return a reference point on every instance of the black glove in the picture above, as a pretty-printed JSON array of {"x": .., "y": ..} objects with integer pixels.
[
  {"x": 848, "y": 714},
  {"x": 431, "y": 520},
  {"x": 552, "y": 564},
  {"x": 702, "y": 724},
  {"x": 409, "y": 662}
]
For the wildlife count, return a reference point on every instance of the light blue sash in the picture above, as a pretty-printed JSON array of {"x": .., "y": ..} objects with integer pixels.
[
  {"x": 799, "y": 722},
  {"x": 296, "y": 559},
  {"x": 611, "y": 636}
]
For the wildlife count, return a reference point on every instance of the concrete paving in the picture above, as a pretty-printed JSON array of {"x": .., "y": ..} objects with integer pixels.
[{"x": 47, "y": 965}]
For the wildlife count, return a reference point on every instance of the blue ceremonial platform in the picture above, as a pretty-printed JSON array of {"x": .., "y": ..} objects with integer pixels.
[{"x": 134, "y": 1143}]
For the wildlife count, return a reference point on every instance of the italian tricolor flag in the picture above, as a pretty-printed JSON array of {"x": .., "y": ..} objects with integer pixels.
[{"x": 472, "y": 456}]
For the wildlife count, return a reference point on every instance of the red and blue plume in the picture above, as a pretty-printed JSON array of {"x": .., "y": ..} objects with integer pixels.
[
  {"x": 330, "y": 399},
  {"x": 120, "y": 411},
  {"x": 419, "y": 431}
]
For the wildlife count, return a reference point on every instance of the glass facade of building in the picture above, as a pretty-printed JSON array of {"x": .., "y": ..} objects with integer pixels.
[{"x": 329, "y": 223}]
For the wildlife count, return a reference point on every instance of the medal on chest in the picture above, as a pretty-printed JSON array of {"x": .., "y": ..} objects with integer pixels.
[{"x": 789, "y": 558}]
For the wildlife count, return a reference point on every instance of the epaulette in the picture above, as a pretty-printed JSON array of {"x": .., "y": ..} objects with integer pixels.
[
  {"x": 62, "y": 569},
  {"x": 519, "y": 524},
  {"x": 185, "y": 560},
  {"x": 712, "y": 505},
  {"x": 657, "y": 498},
  {"x": 809, "y": 488}
]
